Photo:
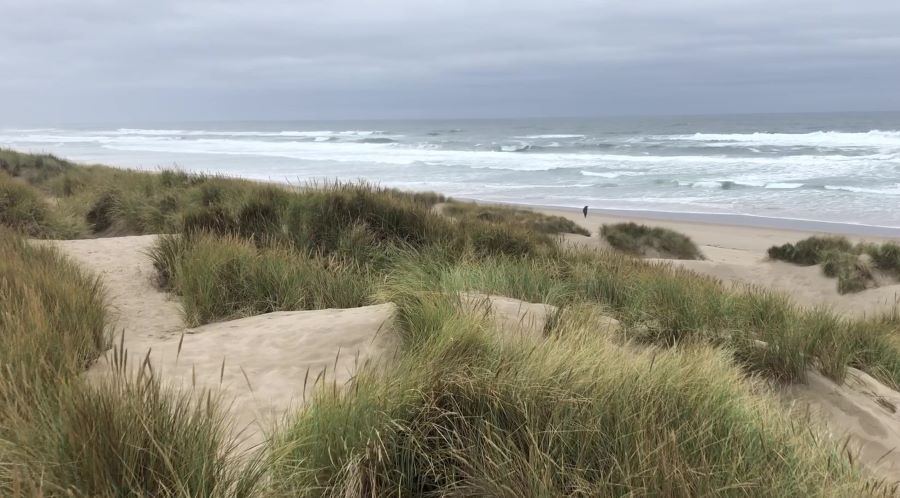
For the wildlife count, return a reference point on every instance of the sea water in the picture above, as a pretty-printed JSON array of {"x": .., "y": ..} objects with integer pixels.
[{"x": 828, "y": 167}]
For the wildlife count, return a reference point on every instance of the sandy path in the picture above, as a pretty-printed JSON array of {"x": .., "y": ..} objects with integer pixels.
[
  {"x": 264, "y": 366},
  {"x": 143, "y": 314}
]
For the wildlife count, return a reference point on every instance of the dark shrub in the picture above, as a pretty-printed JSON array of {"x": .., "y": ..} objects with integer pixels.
[
  {"x": 886, "y": 256},
  {"x": 650, "y": 241},
  {"x": 809, "y": 251},
  {"x": 259, "y": 219},
  {"x": 211, "y": 219},
  {"x": 101, "y": 215}
]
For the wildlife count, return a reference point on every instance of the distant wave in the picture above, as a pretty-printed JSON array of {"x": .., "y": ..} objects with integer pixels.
[
  {"x": 551, "y": 136},
  {"x": 376, "y": 140},
  {"x": 895, "y": 190},
  {"x": 733, "y": 184},
  {"x": 873, "y": 138},
  {"x": 612, "y": 174}
]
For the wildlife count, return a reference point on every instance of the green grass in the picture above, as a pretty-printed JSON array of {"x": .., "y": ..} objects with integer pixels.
[
  {"x": 220, "y": 278},
  {"x": 843, "y": 260},
  {"x": 642, "y": 240},
  {"x": 467, "y": 413},
  {"x": 525, "y": 218},
  {"x": 25, "y": 210},
  {"x": 676, "y": 403},
  {"x": 125, "y": 436}
]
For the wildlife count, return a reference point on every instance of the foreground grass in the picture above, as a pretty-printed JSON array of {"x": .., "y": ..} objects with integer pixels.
[
  {"x": 852, "y": 265},
  {"x": 674, "y": 404},
  {"x": 641, "y": 240},
  {"x": 466, "y": 413},
  {"x": 125, "y": 436}
]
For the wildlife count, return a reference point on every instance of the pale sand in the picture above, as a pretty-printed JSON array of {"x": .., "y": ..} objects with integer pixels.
[
  {"x": 737, "y": 254},
  {"x": 263, "y": 366}
]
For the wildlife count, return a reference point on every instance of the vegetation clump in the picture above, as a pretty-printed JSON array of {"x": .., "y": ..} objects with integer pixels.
[
  {"x": 23, "y": 209},
  {"x": 853, "y": 265},
  {"x": 526, "y": 218},
  {"x": 642, "y": 240}
]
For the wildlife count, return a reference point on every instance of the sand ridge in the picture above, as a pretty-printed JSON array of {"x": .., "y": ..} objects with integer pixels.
[{"x": 264, "y": 366}]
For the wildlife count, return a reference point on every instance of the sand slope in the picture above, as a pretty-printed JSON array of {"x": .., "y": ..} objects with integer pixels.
[
  {"x": 862, "y": 409},
  {"x": 261, "y": 365}
]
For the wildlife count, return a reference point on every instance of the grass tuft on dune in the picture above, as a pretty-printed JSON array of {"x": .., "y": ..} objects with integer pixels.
[
  {"x": 853, "y": 265},
  {"x": 641, "y": 240}
]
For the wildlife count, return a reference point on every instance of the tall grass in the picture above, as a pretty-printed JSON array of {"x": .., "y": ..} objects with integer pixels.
[
  {"x": 124, "y": 436},
  {"x": 467, "y": 413},
  {"x": 229, "y": 277},
  {"x": 23, "y": 209}
]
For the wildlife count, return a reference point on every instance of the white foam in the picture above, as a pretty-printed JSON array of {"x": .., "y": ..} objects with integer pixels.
[
  {"x": 889, "y": 139},
  {"x": 612, "y": 174},
  {"x": 552, "y": 135},
  {"x": 895, "y": 190},
  {"x": 783, "y": 185}
]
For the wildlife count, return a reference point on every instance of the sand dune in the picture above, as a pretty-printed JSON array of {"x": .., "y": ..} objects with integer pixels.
[
  {"x": 268, "y": 358},
  {"x": 261, "y": 365},
  {"x": 862, "y": 411}
]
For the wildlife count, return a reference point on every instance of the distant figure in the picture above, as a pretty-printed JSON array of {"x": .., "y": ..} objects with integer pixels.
[{"x": 584, "y": 211}]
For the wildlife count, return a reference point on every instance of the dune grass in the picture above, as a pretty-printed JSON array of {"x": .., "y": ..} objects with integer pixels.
[
  {"x": 673, "y": 404},
  {"x": 125, "y": 436},
  {"x": 467, "y": 413},
  {"x": 852, "y": 265},
  {"x": 220, "y": 278},
  {"x": 24, "y": 209},
  {"x": 531, "y": 220},
  {"x": 641, "y": 240}
]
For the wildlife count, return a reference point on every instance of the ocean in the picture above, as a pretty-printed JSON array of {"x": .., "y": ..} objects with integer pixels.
[{"x": 842, "y": 168}]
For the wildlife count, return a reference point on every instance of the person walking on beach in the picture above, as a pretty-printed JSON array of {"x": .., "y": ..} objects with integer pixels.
[{"x": 584, "y": 211}]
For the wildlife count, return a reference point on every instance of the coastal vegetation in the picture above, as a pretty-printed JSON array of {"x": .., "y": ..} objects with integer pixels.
[
  {"x": 676, "y": 401},
  {"x": 655, "y": 242},
  {"x": 854, "y": 266}
]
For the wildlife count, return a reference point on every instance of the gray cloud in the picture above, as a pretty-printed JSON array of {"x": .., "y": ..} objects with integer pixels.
[{"x": 94, "y": 60}]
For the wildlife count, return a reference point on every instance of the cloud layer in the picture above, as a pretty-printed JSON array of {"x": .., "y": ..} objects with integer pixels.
[{"x": 115, "y": 60}]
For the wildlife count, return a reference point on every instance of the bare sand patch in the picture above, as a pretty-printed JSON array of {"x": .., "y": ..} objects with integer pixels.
[{"x": 263, "y": 366}]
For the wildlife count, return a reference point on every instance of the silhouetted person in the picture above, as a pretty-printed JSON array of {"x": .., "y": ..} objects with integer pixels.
[{"x": 584, "y": 211}]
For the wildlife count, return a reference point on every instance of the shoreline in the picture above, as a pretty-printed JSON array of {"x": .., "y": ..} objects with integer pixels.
[{"x": 750, "y": 221}]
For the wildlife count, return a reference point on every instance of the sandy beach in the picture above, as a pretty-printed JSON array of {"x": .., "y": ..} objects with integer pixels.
[{"x": 736, "y": 253}]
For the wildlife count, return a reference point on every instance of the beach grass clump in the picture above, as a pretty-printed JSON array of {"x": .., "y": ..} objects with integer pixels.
[
  {"x": 227, "y": 277},
  {"x": 526, "y": 218},
  {"x": 123, "y": 436},
  {"x": 642, "y": 240},
  {"x": 465, "y": 412},
  {"x": 33, "y": 168},
  {"x": 884, "y": 256},
  {"x": 810, "y": 251},
  {"x": 853, "y": 265},
  {"x": 26, "y": 211},
  {"x": 53, "y": 316}
]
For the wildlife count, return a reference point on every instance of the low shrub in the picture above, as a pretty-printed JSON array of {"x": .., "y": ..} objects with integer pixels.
[
  {"x": 101, "y": 214},
  {"x": 809, "y": 251},
  {"x": 650, "y": 241},
  {"x": 531, "y": 220},
  {"x": 23, "y": 209}
]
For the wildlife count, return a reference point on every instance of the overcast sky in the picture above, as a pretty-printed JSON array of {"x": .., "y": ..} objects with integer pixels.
[{"x": 137, "y": 60}]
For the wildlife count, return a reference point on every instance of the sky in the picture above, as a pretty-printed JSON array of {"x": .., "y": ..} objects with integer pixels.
[{"x": 195, "y": 60}]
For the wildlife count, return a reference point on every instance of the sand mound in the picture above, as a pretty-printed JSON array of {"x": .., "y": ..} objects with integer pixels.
[
  {"x": 268, "y": 365},
  {"x": 806, "y": 285},
  {"x": 861, "y": 410},
  {"x": 517, "y": 317},
  {"x": 260, "y": 364}
]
